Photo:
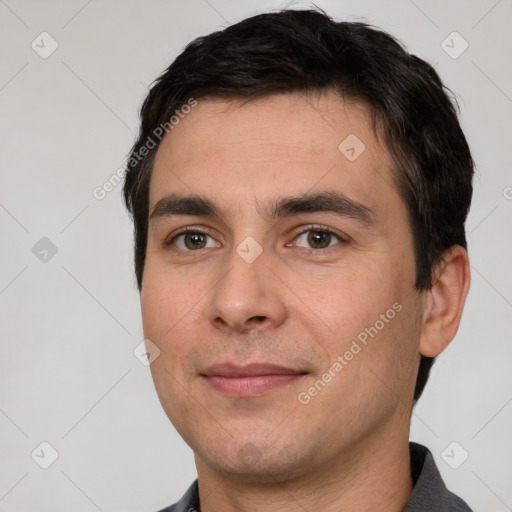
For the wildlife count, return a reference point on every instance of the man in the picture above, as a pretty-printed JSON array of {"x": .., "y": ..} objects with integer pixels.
[{"x": 299, "y": 189}]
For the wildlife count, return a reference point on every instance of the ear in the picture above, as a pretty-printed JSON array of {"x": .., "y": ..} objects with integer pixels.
[{"x": 445, "y": 301}]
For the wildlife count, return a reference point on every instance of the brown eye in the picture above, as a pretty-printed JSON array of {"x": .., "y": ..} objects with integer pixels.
[
  {"x": 194, "y": 240},
  {"x": 319, "y": 239}
]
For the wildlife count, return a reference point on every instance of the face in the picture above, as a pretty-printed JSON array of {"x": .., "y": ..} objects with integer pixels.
[{"x": 285, "y": 315}]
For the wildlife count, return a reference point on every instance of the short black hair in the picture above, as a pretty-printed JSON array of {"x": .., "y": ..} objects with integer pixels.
[{"x": 307, "y": 51}]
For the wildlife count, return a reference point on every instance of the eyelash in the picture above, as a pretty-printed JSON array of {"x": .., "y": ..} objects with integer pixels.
[{"x": 313, "y": 227}]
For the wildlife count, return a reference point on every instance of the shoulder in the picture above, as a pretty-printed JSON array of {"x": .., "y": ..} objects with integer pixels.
[
  {"x": 170, "y": 508},
  {"x": 430, "y": 492},
  {"x": 189, "y": 502}
]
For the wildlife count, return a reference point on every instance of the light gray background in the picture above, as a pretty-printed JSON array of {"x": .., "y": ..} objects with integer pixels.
[{"x": 69, "y": 325}]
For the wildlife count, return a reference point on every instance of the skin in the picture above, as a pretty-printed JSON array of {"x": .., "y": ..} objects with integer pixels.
[{"x": 296, "y": 305}]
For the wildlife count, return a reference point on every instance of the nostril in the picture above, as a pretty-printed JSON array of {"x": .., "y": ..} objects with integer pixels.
[{"x": 258, "y": 319}]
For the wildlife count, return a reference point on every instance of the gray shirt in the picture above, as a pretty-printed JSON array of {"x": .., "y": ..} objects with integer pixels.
[{"x": 429, "y": 494}]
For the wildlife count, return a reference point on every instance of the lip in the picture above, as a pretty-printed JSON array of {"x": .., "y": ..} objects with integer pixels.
[{"x": 250, "y": 380}]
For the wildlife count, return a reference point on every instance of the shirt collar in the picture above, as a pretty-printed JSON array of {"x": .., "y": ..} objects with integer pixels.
[{"x": 430, "y": 492}]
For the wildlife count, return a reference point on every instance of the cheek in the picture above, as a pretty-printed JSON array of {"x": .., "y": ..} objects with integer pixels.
[
  {"x": 372, "y": 313},
  {"x": 166, "y": 312},
  {"x": 167, "y": 301},
  {"x": 173, "y": 319},
  {"x": 352, "y": 302},
  {"x": 389, "y": 357}
]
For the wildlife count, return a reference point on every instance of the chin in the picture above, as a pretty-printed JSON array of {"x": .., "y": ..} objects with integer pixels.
[{"x": 258, "y": 461}]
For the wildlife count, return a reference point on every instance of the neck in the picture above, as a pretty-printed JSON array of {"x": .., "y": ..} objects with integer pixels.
[{"x": 373, "y": 474}]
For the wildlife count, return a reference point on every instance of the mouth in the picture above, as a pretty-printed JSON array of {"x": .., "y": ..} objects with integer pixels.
[{"x": 251, "y": 380}]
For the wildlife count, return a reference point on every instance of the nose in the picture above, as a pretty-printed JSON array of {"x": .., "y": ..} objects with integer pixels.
[{"x": 247, "y": 296}]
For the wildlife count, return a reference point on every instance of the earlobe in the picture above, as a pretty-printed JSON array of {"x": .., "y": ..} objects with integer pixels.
[{"x": 445, "y": 301}]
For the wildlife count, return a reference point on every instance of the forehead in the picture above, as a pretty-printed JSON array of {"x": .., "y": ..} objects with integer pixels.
[{"x": 286, "y": 143}]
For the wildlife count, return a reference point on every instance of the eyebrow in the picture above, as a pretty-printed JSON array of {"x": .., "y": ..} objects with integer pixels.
[{"x": 329, "y": 201}]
